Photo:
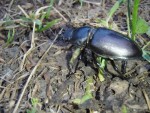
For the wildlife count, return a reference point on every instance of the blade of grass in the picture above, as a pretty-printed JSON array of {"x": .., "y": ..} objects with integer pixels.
[
  {"x": 134, "y": 17},
  {"x": 49, "y": 24},
  {"x": 114, "y": 8},
  {"x": 49, "y": 9},
  {"x": 129, "y": 18},
  {"x": 10, "y": 37}
]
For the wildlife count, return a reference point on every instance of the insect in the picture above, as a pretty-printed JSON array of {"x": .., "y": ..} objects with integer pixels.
[{"x": 104, "y": 42}]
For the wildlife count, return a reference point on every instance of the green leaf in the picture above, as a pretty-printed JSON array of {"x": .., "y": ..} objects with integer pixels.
[
  {"x": 141, "y": 26},
  {"x": 34, "y": 101},
  {"x": 38, "y": 22},
  {"x": 101, "y": 75},
  {"x": 77, "y": 101},
  {"x": 101, "y": 61},
  {"x": 32, "y": 110},
  {"x": 124, "y": 109},
  {"x": 102, "y": 64},
  {"x": 83, "y": 99},
  {"x": 86, "y": 97},
  {"x": 49, "y": 24}
]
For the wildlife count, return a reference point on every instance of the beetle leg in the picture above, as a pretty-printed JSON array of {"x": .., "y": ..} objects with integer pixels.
[
  {"x": 115, "y": 67},
  {"x": 123, "y": 67}
]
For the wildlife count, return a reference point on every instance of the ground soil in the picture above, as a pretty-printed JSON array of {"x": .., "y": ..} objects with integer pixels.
[{"x": 52, "y": 82}]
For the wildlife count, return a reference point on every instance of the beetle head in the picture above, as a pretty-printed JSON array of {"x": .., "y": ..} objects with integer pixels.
[
  {"x": 67, "y": 34},
  {"x": 78, "y": 36}
]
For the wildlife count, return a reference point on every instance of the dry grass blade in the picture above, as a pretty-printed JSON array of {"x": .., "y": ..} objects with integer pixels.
[
  {"x": 11, "y": 3},
  {"x": 29, "y": 51},
  {"x": 32, "y": 40},
  {"x": 32, "y": 73},
  {"x": 146, "y": 98},
  {"x": 92, "y": 2},
  {"x": 27, "y": 16},
  {"x": 33, "y": 34},
  {"x": 40, "y": 9},
  {"x": 60, "y": 14}
]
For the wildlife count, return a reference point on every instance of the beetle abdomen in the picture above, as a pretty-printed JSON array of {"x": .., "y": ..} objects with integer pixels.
[{"x": 111, "y": 44}]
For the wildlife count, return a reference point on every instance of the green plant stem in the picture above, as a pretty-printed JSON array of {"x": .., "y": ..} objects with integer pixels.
[
  {"x": 114, "y": 9},
  {"x": 129, "y": 18},
  {"x": 49, "y": 9},
  {"x": 81, "y": 2},
  {"x": 135, "y": 17}
]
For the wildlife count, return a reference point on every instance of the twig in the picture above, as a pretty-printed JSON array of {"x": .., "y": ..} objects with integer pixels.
[
  {"x": 33, "y": 72},
  {"x": 12, "y": 1},
  {"x": 33, "y": 33},
  {"x": 60, "y": 14},
  {"x": 27, "y": 16},
  {"x": 92, "y": 2},
  {"x": 29, "y": 51},
  {"x": 146, "y": 98}
]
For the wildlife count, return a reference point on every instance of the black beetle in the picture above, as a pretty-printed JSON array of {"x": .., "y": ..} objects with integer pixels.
[{"x": 104, "y": 42}]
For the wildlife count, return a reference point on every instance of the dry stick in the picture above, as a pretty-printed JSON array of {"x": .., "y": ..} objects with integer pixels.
[
  {"x": 146, "y": 98},
  {"x": 60, "y": 14},
  {"x": 33, "y": 72},
  {"x": 32, "y": 40},
  {"x": 92, "y": 2},
  {"x": 11, "y": 3},
  {"x": 27, "y": 16},
  {"x": 21, "y": 68},
  {"x": 38, "y": 11},
  {"x": 33, "y": 33},
  {"x": 29, "y": 51}
]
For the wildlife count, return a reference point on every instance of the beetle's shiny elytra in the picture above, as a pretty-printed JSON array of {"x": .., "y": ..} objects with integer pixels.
[{"x": 104, "y": 42}]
